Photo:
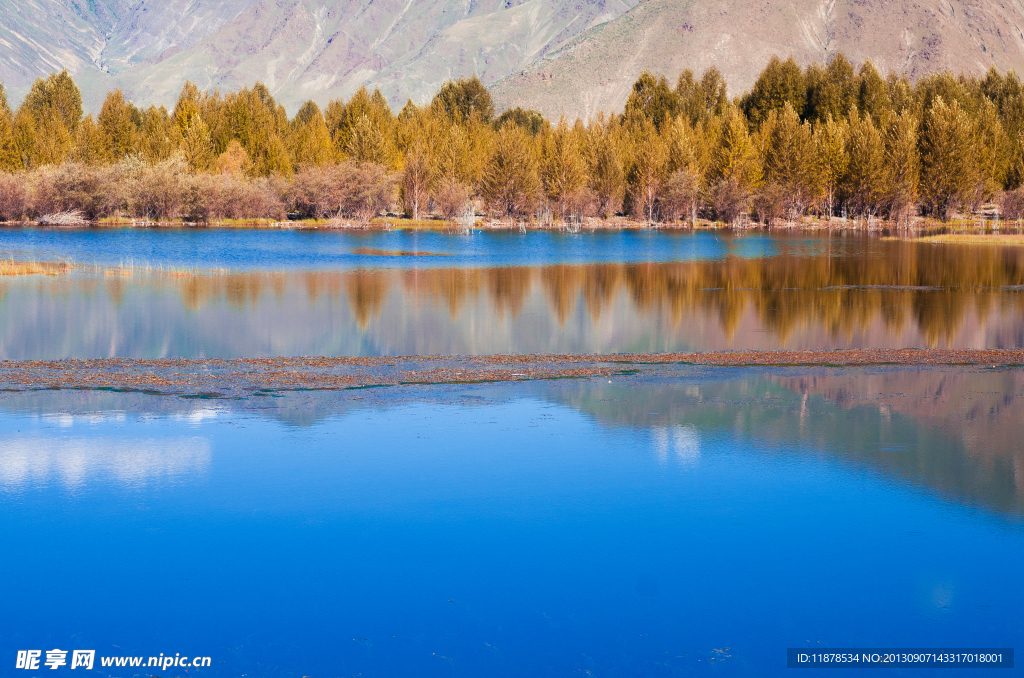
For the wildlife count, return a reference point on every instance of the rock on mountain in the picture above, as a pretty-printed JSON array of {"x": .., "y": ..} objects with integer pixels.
[{"x": 595, "y": 71}]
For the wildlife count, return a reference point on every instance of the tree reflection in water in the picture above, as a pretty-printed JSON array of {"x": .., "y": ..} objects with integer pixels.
[{"x": 888, "y": 294}]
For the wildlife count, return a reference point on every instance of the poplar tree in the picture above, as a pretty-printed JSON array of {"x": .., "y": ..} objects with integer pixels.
[
  {"x": 194, "y": 143},
  {"x": 689, "y": 151},
  {"x": 563, "y": 167},
  {"x": 651, "y": 99},
  {"x": 703, "y": 99},
  {"x": 943, "y": 85},
  {"x": 370, "y": 143},
  {"x": 363, "y": 128},
  {"x": 341, "y": 117},
  {"x": 530, "y": 120},
  {"x": 901, "y": 93},
  {"x": 689, "y": 147},
  {"x": 735, "y": 167},
  {"x": 789, "y": 166},
  {"x": 309, "y": 142},
  {"x": 863, "y": 186},
  {"x": 902, "y": 166},
  {"x": 47, "y": 120},
  {"x": 187, "y": 105},
  {"x": 647, "y": 170},
  {"x": 258, "y": 123},
  {"x": 604, "y": 166},
  {"x": 418, "y": 177},
  {"x": 9, "y": 158},
  {"x": 56, "y": 99},
  {"x": 453, "y": 157},
  {"x": 947, "y": 157},
  {"x": 735, "y": 156},
  {"x": 873, "y": 92},
  {"x": 463, "y": 99},
  {"x": 832, "y": 90},
  {"x": 992, "y": 153},
  {"x": 831, "y": 159},
  {"x": 779, "y": 83},
  {"x": 510, "y": 183},
  {"x": 119, "y": 121},
  {"x": 158, "y": 134},
  {"x": 90, "y": 142}
]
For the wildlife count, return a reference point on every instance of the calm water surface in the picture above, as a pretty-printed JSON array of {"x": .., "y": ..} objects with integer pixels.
[
  {"x": 249, "y": 249},
  {"x": 701, "y": 523},
  {"x": 267, "y": 293}
]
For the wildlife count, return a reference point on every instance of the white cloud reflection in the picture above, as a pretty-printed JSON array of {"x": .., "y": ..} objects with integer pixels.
[
  {"x": 680, "y": 442},
  {"x": 73, "y": 461}
]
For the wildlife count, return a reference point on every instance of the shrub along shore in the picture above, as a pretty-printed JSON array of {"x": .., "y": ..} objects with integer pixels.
[{"x": 831, "y": 145}]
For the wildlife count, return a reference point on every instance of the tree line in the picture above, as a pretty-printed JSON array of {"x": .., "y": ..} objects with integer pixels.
[{"x": 825, "y": 140}]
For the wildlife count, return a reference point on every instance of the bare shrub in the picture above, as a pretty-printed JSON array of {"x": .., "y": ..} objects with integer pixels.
[
  {"x": 1011, "y": 204},
  {"x": 213, "y": 197},
  {"x": 314, "y": 191},
  {"x": 15, "y": 196},
  {"x": 450, "y": 198},
  {"x": 681, "y": 196},
  {"x": 729, "y": 200},
  {"x": 159, "y": 191},
  {"x": 771, "y": 203},
  {"x": 355, "y": 190},
  {"x": 94, "y": 190},
  {"x": 195, "y": 201},
  {"x": 262, "y": 199},
  {"x": 580, "y": 204},
  {"x": 66, "y": 218},
  {"x": 367, "y": 190}
]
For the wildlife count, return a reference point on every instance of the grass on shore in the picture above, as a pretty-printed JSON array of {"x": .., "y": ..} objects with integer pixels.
[
  {"x": 976, "y": 238},
  {"x": 10, "y": 267}
]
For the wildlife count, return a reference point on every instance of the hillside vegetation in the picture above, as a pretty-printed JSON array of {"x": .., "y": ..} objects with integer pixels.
[{"x": 826, "y": 140}]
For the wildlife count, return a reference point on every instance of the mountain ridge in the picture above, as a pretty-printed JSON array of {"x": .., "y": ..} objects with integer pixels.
[
  {"x": 594, "y": 72},
  {"x": 300, "y": 48},
  {"x": 572, "y": 57}
]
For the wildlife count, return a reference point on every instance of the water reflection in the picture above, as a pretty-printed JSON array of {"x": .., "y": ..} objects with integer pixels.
[
  {"x": 952, "y": 431},
  {"x": 636, "y": 528},
  {"x": 898, "y": 294},
  {"x": 73, "y": 462},
  {"x": 955, "y": 432},
  {"x": 681, "y": 442}
]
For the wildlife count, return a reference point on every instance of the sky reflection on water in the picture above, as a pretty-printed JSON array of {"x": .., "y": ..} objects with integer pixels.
[
  {"x": 626, "y": 528},
  {"x": 249, "y": 249}
]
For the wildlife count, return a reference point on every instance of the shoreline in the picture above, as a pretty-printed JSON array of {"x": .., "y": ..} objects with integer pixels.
[
  {"x": 955, "y": 231},
  {"x": 243, "y": 377}
]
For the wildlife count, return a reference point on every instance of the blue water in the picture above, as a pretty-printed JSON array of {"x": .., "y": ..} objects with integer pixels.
[
  {"x": 540, "y": 530},
  {"x": 244, "y": 249}
]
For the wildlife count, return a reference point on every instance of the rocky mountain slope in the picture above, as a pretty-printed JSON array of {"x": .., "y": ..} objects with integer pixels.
[
  {"x": 559, "y": 56},
  {"x": 301, "y": 49},
  {"x": 595, "y": 71}
]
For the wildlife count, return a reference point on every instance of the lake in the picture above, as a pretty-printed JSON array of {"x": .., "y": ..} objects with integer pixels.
[
  {"x": 699, "y": 522},
  {"x": 231, "y": 293},
  {"x": 680, "y": 520}
]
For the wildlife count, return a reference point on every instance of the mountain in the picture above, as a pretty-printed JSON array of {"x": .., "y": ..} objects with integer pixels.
[
  {"x": 559, "y": 56},
  {"x": 595, "y": 71},
  {"x": 301, "y": 49}
]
